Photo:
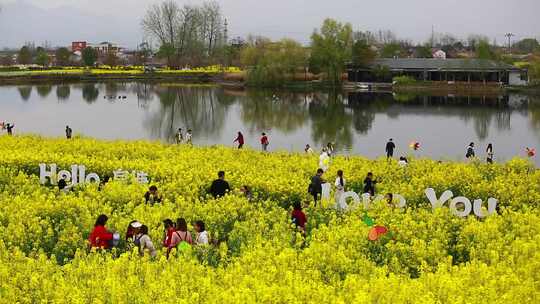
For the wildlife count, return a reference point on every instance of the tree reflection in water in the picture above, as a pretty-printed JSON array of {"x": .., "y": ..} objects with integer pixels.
[
  {"x": 44, "y": 90},
  {"x": 89, "y": 92},
  {"x": 196, "y": 108},
  {"x": 63, "y": 92},
  {"x": 25, "y": 92}
]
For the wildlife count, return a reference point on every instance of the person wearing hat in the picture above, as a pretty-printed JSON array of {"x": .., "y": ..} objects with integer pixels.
[{"x": 131, "y": 233}]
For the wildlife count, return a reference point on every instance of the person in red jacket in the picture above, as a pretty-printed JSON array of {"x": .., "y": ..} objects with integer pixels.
[
  {"x": 169, "y": 231},
  {"x": 100, "y": 237},
  {"x": 264, "y": 142},
  {"x": 240, "y": 140},
  {"x": 299, "y": 217}
]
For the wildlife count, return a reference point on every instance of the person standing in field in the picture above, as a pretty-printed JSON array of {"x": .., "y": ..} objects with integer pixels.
[
  {"x": 179, "y": 136},
  {"x": 239, "y": 139},
  {"x": 220, "y": 186},
  {"x": 168, "y": 232},
  {"x": 100, "y": 237},
  {"x": 330, "y": 149},
  {"x": 308, "y": 150},
  {"x": 264, "y": 142},
  {"x": 9, "y": 128},
  {"x": 145, "y": 243},
  {"x": 202, "y": 235},
  {"x": 189, "y": 137},
  {"x": 299, "y": 218},
  {"x": 181, "y": 235},
  {"x": 369, "y": 184},
  {"x": 340, "y": 185},
  {"x": 390, "y": 146},
  {"x": 470, "y": 151},
  {"x": 489, "y": 151},
  {"x": 324, "y": 160},
  {"x": 69, "y": 132},
  {"x": 315, "y": 187}
]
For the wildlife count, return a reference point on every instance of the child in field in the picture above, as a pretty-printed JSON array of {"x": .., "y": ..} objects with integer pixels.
[
  {"x": 169, "y": 230},
  {"x": 202, "y": 234},
  {"x": 298, "y": 217}
]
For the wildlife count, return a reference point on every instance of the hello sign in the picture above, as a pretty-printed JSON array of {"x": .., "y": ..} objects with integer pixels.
[
  {"x": 76, "y": 175},
  {"x": 454, "y": 202}
]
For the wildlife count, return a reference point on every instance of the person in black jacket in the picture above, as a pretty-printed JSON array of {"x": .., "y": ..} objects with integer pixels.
[
  {"x": 390, "y": 146},
  {"x": 220, "y": 186},
  {"x": 369, "y": 184},
  {"x": 152, "y": 196},
  {"x": 315, "y": 187}
]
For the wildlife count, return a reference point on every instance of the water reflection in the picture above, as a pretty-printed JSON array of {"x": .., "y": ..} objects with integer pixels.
[
  {"x": 25, "y": 92},
  {"x": 63, "y": 92},
  {"x": 197, "y": 108},
  {"x": 44, "y": 90},
  {"x": 356, "y": 122},
  {"x": 90, "y": 93}
]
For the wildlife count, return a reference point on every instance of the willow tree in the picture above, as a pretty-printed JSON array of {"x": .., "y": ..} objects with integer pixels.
[{"x": 331, "y": 47}]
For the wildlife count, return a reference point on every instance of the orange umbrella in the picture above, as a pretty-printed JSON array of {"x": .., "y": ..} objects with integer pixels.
[{"x": 376, "y": 232}]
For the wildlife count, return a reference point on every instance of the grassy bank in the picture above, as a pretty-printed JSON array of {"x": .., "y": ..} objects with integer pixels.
[
  {"x": 428, "y": 258},
  {"x": 213, "y": 73}
]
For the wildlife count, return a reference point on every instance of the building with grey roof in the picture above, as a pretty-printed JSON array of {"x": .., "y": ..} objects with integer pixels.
[{"x": 445, "y": 70}]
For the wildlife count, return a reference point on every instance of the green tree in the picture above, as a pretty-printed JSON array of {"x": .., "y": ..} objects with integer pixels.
[
  {"x": 484, "y": 51},
  {"x": 362, "y": 54},
  {"x": 89, "y": 56},
  {"x": 273, "y": 63},
  {"x": 24, "y": 56},
  {"x": 62, "y": 56},
  {"x": 331, "y": 48},
  {"x": 423, "y": 51},
  {"x": 392, "y": 50},
  {"x": 167, "y": 51},
  {"x": 527, "y": 45},
  {"x": 42, "y": 58}
]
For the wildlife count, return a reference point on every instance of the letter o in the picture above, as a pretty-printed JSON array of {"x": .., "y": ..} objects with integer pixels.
[
  {"x": 92, "y": 177},
  {"x": 466, "y": 203},
  {"x": 343, "y": 199}
]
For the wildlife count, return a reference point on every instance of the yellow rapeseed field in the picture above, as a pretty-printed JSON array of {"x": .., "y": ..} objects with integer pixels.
[{"x": 432, "y": 256}]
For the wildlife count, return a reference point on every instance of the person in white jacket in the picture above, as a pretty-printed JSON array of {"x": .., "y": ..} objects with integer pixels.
[
  {"x": 202, "y": 234},
  {"x": 324, "y": 160},
  {"x": 340, "y": 189},
  {"x": 145, "y": 243}
]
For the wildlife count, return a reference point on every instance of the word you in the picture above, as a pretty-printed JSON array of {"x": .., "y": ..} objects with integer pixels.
[
  {"x": 78, "y": 175},
  {"x": 460, "y": 206}
]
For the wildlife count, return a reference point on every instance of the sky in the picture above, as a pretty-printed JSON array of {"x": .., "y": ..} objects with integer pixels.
[{"x": 61, "y": 21}]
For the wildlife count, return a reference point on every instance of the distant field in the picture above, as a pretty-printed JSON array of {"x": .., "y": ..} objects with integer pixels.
[{"x": 117, "y": 70}]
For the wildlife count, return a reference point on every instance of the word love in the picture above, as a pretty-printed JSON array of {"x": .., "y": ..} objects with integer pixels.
[
  {"x": 78, "y": 175},
  {"x": 460, "y": 206}
]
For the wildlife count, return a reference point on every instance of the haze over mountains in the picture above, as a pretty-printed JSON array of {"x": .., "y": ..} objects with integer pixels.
[{"x": 63, "y": 21}]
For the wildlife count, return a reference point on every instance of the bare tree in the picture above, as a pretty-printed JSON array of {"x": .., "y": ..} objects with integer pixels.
[
  {"x": 161, "y": 21},
  {"x": 190, "y": 33}
]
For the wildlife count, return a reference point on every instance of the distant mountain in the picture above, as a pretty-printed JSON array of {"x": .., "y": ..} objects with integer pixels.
[{"x": 21, "y": 21}]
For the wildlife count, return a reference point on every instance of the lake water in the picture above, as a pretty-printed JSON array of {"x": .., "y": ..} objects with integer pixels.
[{"x": 358, "y": 123}]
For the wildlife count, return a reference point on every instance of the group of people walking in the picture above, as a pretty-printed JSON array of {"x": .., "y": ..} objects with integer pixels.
[
  {"x": 175, "y": 235},
  {"x": 265, "y": 142},
  {"x": 182, "y": 138}
]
